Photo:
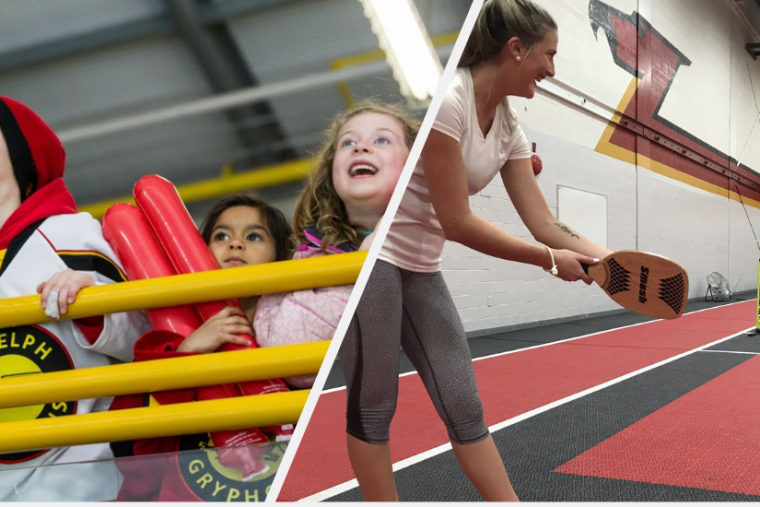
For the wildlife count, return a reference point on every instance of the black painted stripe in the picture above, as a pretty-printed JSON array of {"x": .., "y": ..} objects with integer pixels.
[
  {"x": 17, "y": 243},
  {"x": 89, "y": 261}
]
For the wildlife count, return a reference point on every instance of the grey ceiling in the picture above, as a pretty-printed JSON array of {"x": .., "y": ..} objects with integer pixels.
[{"x": 80, "y": 62}]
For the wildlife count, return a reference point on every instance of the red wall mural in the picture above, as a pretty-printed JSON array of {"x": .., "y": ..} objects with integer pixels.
[{"x": 640, "y": 135}]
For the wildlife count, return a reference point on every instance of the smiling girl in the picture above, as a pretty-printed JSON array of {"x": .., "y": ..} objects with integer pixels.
[{"x": 358, "y": 167}]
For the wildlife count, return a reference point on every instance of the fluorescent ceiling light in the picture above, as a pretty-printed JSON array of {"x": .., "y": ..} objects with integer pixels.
[{"x": 406, "y": 43}]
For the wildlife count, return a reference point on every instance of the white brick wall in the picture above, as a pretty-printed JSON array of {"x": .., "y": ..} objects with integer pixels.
[
  {"x": 492, "y": 293},
  {"x": 684, "y": 223},
  {"x": 580, "y": 54}
]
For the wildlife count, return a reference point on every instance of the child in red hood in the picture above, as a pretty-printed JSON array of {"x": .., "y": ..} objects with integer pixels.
[{"x": 46, "y": 247}]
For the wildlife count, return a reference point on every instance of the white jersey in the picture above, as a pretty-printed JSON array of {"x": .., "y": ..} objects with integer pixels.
[{"x": 60, "y": 242}]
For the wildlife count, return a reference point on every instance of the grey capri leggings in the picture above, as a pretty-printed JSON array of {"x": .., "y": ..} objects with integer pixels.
[{"x": 414, "y": 310}]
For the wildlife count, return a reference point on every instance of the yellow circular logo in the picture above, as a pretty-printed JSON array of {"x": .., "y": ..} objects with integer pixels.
[
  {"x": 30, "y": 350},
  {"x": 209, "y": 480}
]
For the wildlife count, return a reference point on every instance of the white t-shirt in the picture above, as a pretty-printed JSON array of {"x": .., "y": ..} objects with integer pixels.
[{"x": 415, "y": 239}]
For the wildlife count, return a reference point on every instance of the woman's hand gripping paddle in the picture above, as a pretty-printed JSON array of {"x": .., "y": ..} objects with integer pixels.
[{"x": 643, "y": 283}]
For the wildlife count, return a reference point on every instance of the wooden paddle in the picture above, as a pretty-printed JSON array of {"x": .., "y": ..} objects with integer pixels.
[{"x": 643, "y": 283}]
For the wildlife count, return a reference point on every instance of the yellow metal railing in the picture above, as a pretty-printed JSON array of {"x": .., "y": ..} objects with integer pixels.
[
  {"x": 374, "y": 56},
  {"x": 162, "y": 375},
  {"x": 153, "y": 422},
  {"x": 178, "y": 290}
]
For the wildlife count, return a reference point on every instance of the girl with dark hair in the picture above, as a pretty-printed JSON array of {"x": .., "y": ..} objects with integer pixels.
[
  {"x": 260, "y": 216},
  {"x": 240, "y": 230}
]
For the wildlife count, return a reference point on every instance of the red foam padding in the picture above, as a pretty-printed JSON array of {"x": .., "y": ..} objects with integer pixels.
[
  {"x": 707, "y": 439},
  {"x": 510, "y": 385}
]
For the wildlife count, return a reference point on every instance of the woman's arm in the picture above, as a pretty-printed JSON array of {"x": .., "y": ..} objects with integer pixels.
[
  {"x": 447, "y": 183},
  {"x": 529, "y": 202}
]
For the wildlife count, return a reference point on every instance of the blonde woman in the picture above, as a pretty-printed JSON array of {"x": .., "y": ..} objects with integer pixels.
[{"x": 475, "y": 137}]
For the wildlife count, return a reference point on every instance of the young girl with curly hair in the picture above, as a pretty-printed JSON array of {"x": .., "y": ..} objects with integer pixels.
[{"x": 358, "y": 167}]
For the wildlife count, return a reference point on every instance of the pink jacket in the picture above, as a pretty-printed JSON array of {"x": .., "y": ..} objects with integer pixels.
[{"x": 303, "y": 316}]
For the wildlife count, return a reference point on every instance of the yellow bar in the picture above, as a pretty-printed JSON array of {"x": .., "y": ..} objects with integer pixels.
[
  {"x": 216, "y": 285},
  {"x": 227, "y": 184},
  {"x": 362, "y": 58},
  {"x": 379, "y": 54},
  {"x": 345, "y": 92},
  {"x": 153, "y": 422},
  {"x": 376, "y": 55},
  {"x": 162, "y": 375},
  {"x": 445, "y": 39}
]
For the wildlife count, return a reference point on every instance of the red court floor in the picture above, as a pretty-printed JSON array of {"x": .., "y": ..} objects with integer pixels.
[
  {"x": 517, "y": 382},
  {"x": 698, "y": 441}
]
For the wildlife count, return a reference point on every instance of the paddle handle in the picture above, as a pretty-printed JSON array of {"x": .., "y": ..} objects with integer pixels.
[{"x": 585, "y": 267}]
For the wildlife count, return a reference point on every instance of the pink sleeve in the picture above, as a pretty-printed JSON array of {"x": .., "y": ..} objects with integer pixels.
[{"x": 300, "y": 317}]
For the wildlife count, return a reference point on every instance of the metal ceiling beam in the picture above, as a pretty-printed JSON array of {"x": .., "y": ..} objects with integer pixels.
[
  {"x": 208, "y": 105},
  {"x": 186, "y": 17},
  {"x": 216, "y": 52},
  {"x": 210, "y": 14}
]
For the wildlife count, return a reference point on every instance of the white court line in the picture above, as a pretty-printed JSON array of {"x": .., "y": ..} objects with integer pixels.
[
  {"x": 341, "y": 488},
  {"x": 413, "y": 372},
  {"x": 732, "y": 352}
]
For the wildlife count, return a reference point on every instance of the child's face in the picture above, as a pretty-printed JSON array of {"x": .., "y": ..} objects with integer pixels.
[
  {"x": 370, "y": 154},
  {"x": 241, "y": 238}
]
